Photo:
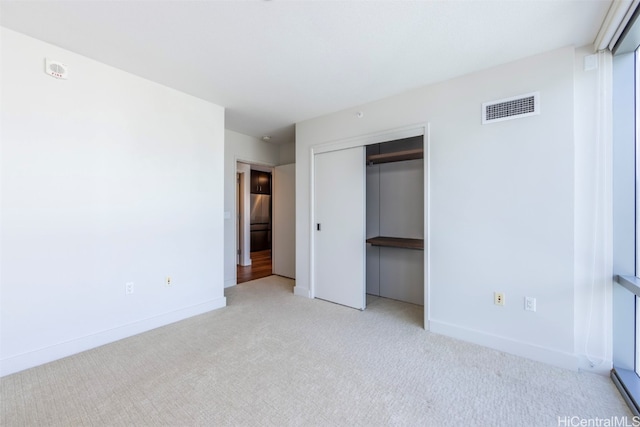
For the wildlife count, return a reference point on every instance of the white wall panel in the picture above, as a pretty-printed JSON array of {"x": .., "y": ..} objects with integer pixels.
[
  {"x": 501, "y": 201},
  {"x": 284, "y": 220},
  {"x": 402, "y": 274},
  {"x": 402, "y": 199},
  {"x": 107, "y": 178}
]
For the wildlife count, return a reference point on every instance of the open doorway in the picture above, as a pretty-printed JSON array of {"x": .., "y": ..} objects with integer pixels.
[{"x": 254, "y": 230}]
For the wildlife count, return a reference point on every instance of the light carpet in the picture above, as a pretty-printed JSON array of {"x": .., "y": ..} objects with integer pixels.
[{"x": 272, "y": 359}]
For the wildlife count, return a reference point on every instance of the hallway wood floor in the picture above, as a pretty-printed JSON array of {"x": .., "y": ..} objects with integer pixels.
[{"x": 260, "y": 267}]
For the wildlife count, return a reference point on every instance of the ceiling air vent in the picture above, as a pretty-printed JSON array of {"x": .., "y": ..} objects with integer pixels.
[{"x": 511, "y": 108}]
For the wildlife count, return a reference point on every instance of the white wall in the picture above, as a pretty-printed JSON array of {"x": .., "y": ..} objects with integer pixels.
[
  {"x": 395, "y": 207},
  {"x": 284, "y": 220},
  {"x": 247, "y": 149},
  {"x": 287, "y": 153},
  {"x": 107, "y": 178},
  {"x": 501, "y": 202}
]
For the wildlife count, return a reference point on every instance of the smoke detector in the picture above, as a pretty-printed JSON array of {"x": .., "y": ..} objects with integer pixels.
[{"x": 56, "y": 69}]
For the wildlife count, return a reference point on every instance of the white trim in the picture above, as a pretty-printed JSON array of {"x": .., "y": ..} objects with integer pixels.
[
  {"x": 518, "y": 348},
  {"x": 363, "y": 160},
  {"x": 230, "y": 282},
  {"x": 372, "y": 138},
  {"x": 251, "y": 162},
  {"x": 312, "y": 204},
  {"x": 23, "y": 361},
  {"x": 427, "y": 227}
]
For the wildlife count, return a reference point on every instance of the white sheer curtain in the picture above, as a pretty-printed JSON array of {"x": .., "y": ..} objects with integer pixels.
[{"x": 597, "y": 340}]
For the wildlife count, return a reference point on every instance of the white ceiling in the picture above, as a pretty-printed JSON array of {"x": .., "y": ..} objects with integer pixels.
[{"x": 275, "y": 63}]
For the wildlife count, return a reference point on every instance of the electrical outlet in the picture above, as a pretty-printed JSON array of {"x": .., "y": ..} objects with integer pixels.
[
  {"x": 167, "y": 281},
  {"x": 498, "y": 298},
  {"x": 128, "y": 289},
  {"x": 530, "y": 303}
]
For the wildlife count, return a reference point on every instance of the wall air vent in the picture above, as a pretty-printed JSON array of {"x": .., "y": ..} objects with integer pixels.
[{"x": 511, "y": 108}]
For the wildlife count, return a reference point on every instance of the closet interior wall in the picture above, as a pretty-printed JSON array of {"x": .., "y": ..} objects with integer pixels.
[{"x": 395, "y": 208}]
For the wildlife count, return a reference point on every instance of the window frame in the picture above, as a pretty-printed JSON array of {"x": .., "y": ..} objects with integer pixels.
[
  {"x": 626, "y": 209},
  {"x": 637, "y": 205}
]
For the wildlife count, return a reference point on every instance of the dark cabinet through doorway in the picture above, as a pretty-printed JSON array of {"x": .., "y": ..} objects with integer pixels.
[{"x": 260, "y": 182}]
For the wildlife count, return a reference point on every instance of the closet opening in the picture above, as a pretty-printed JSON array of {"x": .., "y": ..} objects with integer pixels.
[{"x": 395, "y": 220}]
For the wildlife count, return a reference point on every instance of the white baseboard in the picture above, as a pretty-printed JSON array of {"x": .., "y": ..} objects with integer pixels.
[
  {"x": 31, "y": 359},
  {"x": 507, "y": 345},
  {"x": 230, "y": 282},
  {"x": 301, "y": 292}
]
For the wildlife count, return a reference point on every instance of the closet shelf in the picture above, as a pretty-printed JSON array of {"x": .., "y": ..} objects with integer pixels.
[
  {"x": 396, "y": 156},
  {"x": 397, "y": 242}
]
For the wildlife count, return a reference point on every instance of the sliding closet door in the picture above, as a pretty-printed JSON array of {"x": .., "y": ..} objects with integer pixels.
[{"x": 339, "y": 241}]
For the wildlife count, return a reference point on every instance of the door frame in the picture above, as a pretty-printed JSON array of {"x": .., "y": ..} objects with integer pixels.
[
  {"x": 238, "y": 218},
  {"x": 419, "y": 129},
  {"x": 242, "y": 206}
]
